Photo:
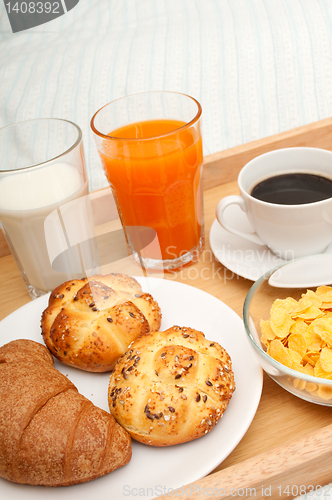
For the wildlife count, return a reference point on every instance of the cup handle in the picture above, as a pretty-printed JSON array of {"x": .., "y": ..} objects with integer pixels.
[{"x": 235, "y": 200}]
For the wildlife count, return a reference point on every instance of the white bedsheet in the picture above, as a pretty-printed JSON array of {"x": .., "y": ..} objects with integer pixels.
[{"x": 258, "y": 67}]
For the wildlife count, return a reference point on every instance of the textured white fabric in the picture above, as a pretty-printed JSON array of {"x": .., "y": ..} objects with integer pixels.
[{"x": 258, "y": 67}]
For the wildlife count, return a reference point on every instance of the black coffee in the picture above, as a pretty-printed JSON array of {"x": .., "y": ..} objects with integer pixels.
[{"x": 293, "y": 189}]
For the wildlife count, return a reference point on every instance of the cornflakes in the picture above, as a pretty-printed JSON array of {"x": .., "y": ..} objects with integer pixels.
[
  {"x": 298, "y": 334},
  {"x": 280, "y": 353},
  {"x": 326, "y": 359},
  {"x": 297, "y": 343},
  {"x": 280, "y": 320}
]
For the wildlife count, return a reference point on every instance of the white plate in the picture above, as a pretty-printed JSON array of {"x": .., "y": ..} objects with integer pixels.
[
  {"x": 153, "y": 471},
  {"x": 241, "y": 256}
]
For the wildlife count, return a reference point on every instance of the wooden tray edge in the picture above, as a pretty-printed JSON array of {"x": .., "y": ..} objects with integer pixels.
[
  {"x": 225, "y": 166},
  {"x": 283, "y": 472}
]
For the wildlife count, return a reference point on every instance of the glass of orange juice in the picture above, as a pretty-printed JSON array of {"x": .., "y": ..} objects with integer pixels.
[{"x": 150, "y": 145}]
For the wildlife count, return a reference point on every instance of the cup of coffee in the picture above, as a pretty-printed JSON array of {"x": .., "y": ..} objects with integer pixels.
[{"x": 287, "y": 196}]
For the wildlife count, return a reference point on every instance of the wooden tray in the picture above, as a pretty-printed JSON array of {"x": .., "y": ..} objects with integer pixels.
[{"x": 267, "y": 456}]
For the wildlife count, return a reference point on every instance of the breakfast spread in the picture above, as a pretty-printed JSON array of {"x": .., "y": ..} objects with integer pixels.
[
  {"x": 89, "y": 323},
  {"x": 165, "y": 387},
  {"x": 171, "y": 387},
  {"x": 50, "y": 434},
  {"x": 298, "y": 334}
]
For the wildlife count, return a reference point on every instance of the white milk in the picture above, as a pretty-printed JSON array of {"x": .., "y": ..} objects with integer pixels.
[{"x": 26, "y": 199}]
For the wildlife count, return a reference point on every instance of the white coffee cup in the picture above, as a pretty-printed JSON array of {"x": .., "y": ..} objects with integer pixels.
[{"x": 290, "y": 231}]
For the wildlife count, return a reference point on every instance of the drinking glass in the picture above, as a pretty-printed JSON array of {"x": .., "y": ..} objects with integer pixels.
[
  {"x": 44, "y": 205},
  {"x": 150, "y": 145}
]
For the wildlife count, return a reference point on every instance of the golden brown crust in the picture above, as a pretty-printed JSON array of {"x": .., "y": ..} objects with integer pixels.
[
  {"x": 49, "y": 433},
  {"x": 171, "y": 387},
  {"x": 90, "y": 323}
]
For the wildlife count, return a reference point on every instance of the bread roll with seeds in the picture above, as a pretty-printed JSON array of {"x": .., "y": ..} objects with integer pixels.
[
  {"x": 50, "y": 434},
  {"x": 89, "y": 323},
  {"x": 171, "y": 387}
]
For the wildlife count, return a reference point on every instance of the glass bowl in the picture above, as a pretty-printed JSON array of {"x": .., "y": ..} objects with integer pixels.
[{"x": 292, "y": 279}]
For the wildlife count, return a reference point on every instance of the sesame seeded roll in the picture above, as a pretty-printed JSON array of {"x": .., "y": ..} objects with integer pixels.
[
  {"x": 90, "y": 323},
  {"x": 171, "y": 387}
]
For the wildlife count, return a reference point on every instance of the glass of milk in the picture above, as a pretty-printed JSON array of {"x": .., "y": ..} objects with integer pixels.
[{"x": 45, "y": 210}]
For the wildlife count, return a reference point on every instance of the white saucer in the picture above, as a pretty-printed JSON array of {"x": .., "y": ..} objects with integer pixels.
[{"x": 239, "y": 255}]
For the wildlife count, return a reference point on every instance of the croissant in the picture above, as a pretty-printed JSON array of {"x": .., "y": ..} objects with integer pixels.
[
  {"x": 49, "y": 433},
  {"x": 90, "y": 323},
  {"x": 171, "y": 387}
]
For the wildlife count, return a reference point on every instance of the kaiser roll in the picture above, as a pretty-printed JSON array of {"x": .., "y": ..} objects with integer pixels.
[
  {"x": 89, "y": 323},
  {"x": 171, "y": 387}
]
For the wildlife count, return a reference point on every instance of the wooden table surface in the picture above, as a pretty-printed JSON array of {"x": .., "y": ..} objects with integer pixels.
[{"x": 281, "y": 417}]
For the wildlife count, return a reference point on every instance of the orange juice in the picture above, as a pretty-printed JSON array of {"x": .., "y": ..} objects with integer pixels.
[{"x": 154, "y": 169}]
